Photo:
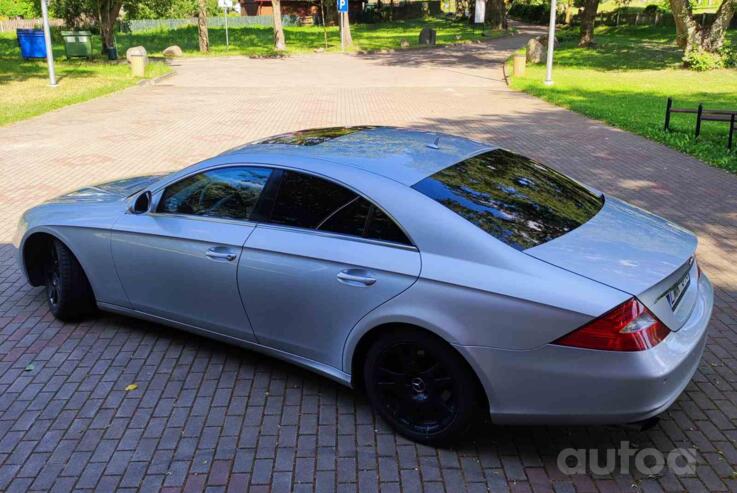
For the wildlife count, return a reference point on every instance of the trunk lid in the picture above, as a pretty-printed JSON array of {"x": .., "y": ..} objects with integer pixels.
[{"x": 634, "y": 251}]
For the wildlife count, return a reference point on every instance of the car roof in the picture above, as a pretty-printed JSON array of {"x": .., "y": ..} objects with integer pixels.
[{"x": 404, "y": 155}]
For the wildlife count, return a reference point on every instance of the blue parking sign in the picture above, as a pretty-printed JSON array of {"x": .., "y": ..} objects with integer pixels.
[{"x": 343, "y": 6}]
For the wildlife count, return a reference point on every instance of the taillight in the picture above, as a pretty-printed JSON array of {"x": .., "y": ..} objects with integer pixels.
[{"x": 628, "y": 327}]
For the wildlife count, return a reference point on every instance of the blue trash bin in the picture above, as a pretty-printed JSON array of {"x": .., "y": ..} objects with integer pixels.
[{"x": 32, "y": 43}]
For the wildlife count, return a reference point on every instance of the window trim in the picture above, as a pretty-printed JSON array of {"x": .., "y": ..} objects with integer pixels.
[
  {"x": 277, "y": 172},
  {"x": 339, "y": 236},
  {"x": 158, "y": 194}
]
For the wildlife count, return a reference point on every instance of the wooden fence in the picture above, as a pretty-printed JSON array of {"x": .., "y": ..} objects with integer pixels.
[
  {"x": 13, "y": 24},
  {"x": 636, "y": 19},
  {"x": 642, "y": 19},
  {"x": 140, "y": 25}
]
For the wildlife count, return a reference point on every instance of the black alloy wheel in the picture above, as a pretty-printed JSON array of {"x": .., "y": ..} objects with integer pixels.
[{"x": 421, "y": 386}]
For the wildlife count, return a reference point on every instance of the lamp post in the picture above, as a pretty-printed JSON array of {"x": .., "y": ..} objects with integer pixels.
[
  {"x": 551, "y": 42},
  {"x": 47, "y": 39}
]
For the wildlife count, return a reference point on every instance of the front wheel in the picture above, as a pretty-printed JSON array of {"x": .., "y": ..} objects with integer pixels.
[
  {"x": 420, "y": 386},
  {"x": 68, "y": 292}
]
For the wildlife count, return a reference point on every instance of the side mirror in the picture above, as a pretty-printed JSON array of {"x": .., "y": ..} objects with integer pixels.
[{"x": 142, "y": 203}]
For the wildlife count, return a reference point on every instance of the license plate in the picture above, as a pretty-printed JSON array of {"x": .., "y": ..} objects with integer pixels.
[{"x": 675, "y": 293}]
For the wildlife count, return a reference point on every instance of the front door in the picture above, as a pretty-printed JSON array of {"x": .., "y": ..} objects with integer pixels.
[{"x": 180, "y": 261}]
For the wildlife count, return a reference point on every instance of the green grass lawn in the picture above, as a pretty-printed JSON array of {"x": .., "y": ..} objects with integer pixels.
[
  {"x": 24, "y": 89},
  {"x": 626, "y": 80},
  {"x": 258, "y": 40}
]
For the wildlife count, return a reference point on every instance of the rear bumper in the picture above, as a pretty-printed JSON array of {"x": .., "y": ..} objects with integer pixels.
[{"x": 563, "y": 385}]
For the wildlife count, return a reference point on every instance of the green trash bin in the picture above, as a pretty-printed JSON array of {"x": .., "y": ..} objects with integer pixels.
[{"x": 77, "y": 44}]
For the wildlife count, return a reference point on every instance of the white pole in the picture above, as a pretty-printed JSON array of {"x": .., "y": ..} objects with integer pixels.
[
  {"x": 47, "y": 39},
  {"x": 227, "y": 41},
  {"x": 551, "y": 43}
]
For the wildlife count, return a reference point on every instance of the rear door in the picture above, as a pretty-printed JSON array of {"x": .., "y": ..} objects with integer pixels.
[
  {"x": 180, "y": 262},
  {"x": 320, "y": 259}
]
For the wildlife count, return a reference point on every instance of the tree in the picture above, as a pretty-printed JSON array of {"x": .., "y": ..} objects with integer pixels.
[
  {"x": 167, "y": 9},
  {"x": 108, "y": 11},
  {"x": 279, "y": 43},
  {"x": 104, "y": 12},
  {"x": 496, "y": 14},
  {"x": 202, "y": 31},
  {"x": 27, "y": 9},
  {"x": 694, "y": 36},
  {"x": 463, "y": 8},
  {"x": 588, "y": 16}
]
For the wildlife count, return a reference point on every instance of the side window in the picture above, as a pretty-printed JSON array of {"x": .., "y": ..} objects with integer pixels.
[
  {"x": 230, "y": 193},
  {"x": 361, "y": 218},
  {"x": 381, "y": 227},
  {"x": 305, "y": 201}
]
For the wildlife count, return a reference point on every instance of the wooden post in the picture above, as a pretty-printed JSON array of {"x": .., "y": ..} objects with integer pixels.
[
  {"x": 518, "y": 68},
  {"x": 668, "y": 106},
  {"x": 731, "y": 130},
  {"x": 698, "y": 119}
]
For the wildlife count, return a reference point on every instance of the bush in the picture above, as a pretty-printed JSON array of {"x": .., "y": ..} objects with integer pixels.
[
  {"x": 702, "y": 61},
  {"x": 28, "y": 9},
  {"x": 537, "y": 13},
  {"x": 729, "y": 57},
  {"x": 651, "y": 9}
]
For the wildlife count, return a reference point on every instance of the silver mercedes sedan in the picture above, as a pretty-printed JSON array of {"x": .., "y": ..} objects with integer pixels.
[{"x": 439, "y": 275}]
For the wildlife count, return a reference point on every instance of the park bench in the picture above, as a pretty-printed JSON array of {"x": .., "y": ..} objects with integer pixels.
[{"x": 704, "y": 115}]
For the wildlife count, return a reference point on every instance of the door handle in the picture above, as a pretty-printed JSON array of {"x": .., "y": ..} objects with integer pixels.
[
  {"x": 214, "y": 253},
  {"x": 356, "y": 277}
]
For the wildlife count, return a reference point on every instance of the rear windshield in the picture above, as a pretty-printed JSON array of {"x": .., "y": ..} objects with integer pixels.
[{"x": 515, "y": 199}]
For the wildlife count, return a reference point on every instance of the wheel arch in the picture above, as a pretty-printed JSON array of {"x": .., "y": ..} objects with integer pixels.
[
  {"x": 35, "y": 246},
  {"x": 362, "y": 345}
]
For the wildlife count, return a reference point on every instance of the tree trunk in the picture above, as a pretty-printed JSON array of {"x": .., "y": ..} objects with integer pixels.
[
  {"x": 107, "y": 14},
  {"x": 588, "y": 16},
  {"x": 347, "y": 38},
  {"x": 202, "y": 32},
  {"x": 569, "y": 13},
  {"x": 683, "y": 20},
  {"x": 496, "y": 14},
  {"x": 719, "y": 26},
  {"x": 279, "y": 43},
  {"x": 462, "y": 8},
  {"x": 691, "y": 35}
]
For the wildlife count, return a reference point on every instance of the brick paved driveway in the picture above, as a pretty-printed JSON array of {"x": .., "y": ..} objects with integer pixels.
[{"x": 206, "y": 415}]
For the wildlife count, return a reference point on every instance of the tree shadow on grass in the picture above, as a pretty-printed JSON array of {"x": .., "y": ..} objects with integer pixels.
[
  {"x": 20, "y": 71},
  {"x": 621, "y": 48}
]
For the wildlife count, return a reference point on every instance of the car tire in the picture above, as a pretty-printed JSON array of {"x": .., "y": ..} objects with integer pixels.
[
  {"x": 421, "y": 386},
  {"x": 68, "y": 291}
]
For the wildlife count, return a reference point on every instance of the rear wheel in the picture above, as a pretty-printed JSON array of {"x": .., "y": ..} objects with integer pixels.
[
  {"x": 420, "y": 386},
  {"x": 68, "y": 292}
]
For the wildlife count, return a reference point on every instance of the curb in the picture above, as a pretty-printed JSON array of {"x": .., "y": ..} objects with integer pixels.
[{"x": 156, "y": 80}]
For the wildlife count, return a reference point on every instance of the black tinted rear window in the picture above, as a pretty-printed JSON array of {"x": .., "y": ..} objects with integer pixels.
[
  {"x": 515, "y": 199},
  {"x": 305, "y": 201}
]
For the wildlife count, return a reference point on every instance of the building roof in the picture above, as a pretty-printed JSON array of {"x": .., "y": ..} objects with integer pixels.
[{"x": 404, "y": 155}]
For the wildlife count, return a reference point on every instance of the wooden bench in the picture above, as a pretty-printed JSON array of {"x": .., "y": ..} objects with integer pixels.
[{"x": 703, "y": 115}]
